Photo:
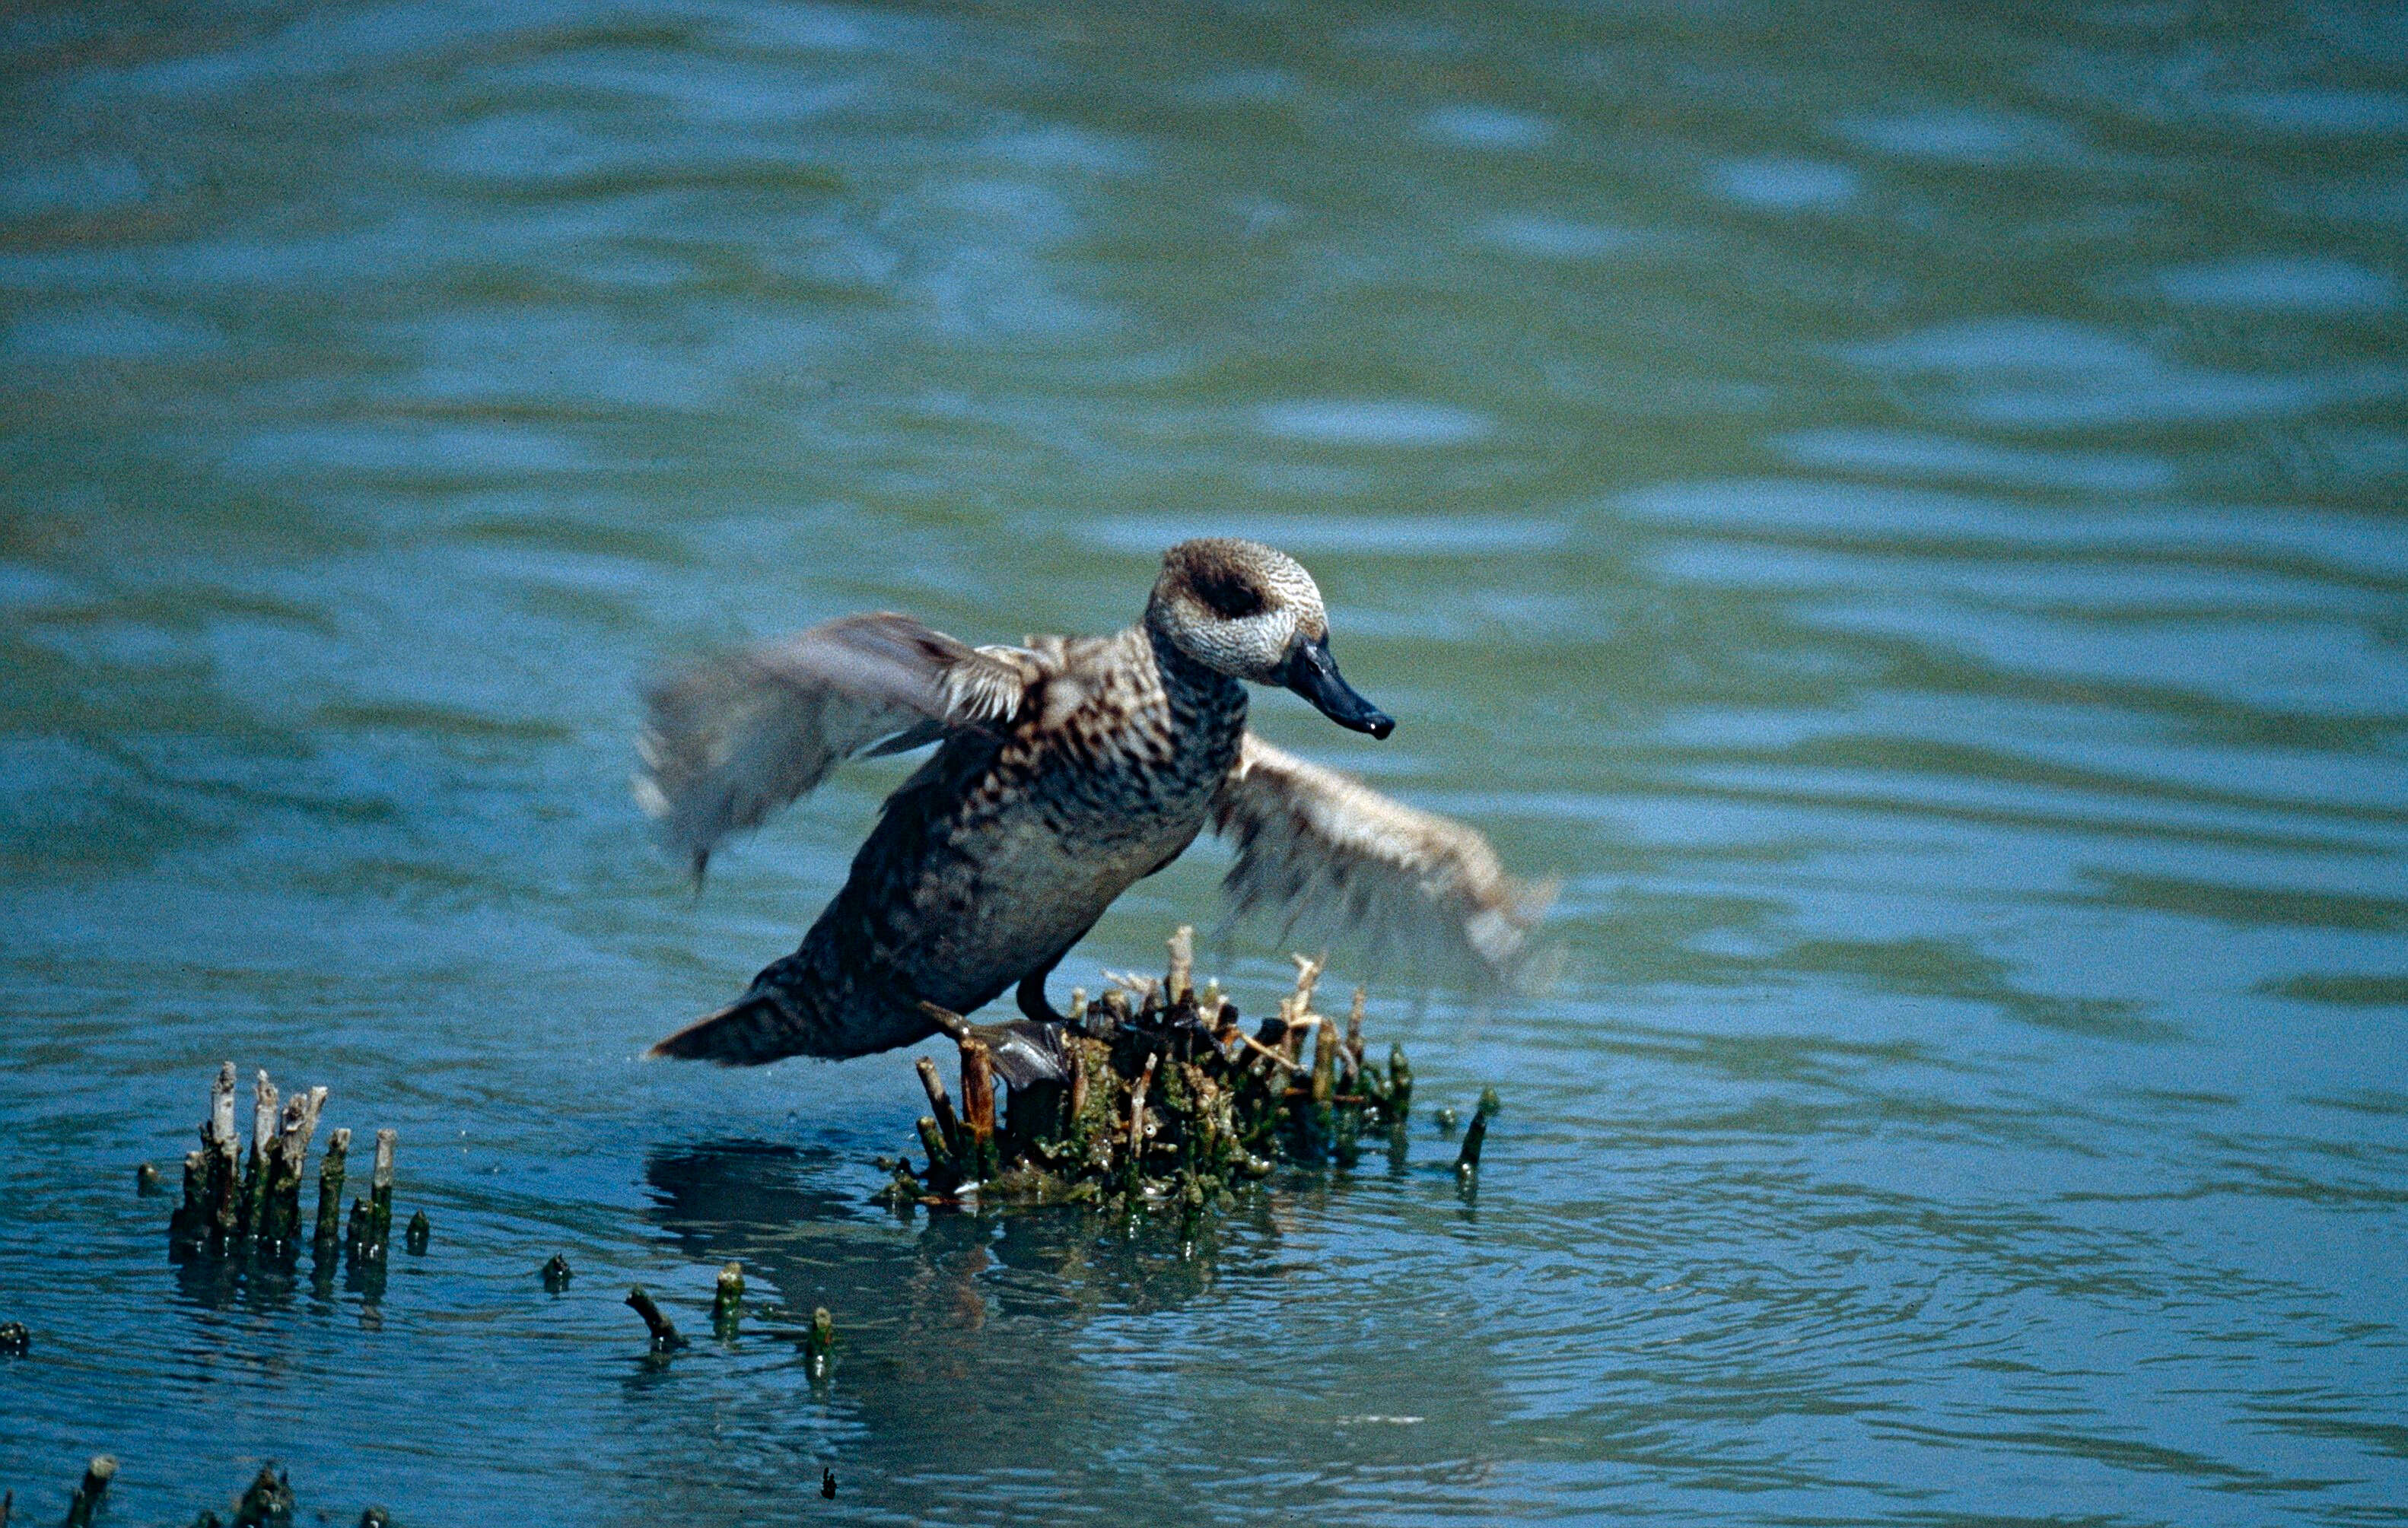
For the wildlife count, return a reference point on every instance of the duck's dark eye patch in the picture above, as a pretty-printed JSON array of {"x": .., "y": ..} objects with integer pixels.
[{"x": 1227, "y": 593}]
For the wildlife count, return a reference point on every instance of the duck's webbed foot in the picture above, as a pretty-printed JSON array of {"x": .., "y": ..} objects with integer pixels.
[{"x": 1024, "y": 1051}]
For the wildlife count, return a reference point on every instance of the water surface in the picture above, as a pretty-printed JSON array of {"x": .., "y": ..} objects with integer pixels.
[{"x": 1899, "y": 511}]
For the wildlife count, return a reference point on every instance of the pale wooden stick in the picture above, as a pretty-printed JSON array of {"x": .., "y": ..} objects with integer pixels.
[
  {"x": 1307, "y": 973},
  {"x": 1179, "y": 982}
]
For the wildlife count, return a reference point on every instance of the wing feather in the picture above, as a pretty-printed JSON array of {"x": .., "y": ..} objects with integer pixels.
[
  {"x": 730, "y": 740},
  {"x": 1318, "y": 849}
]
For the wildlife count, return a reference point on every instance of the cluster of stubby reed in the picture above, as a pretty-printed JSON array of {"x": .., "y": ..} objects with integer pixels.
[
  {"x": 246, "y": 1206},
  {"x": 1164, "y": 1096},
  {"x": 267, "y": 1503}
]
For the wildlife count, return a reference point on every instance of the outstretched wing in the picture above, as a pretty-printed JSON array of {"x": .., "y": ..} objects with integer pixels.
[
  {"x": 1318, "y": 850},
  {"x": 731, "y": 741}
]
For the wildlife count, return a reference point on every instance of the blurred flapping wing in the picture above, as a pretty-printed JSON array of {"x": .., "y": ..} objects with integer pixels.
[
  {"x": 731, "y": 741},
  {"x": 1318, "y": 850}
]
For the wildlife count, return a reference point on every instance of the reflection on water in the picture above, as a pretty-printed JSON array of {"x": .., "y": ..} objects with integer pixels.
[{"x": 1902, "y": 514}]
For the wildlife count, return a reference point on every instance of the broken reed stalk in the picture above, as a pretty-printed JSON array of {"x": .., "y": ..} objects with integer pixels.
[
  {"x": 381, "y": 1191},
  {"x": 220, "y": 1140},
  {"x": 1171, "y": 1098},
  {"x": 267, "y": 1501},
  {"x": 727, "y": 1300},
  {"x": 271, "y": 1502},
  {"x": 1180, "y": 980},
  {"x": 253, "y": 1212},
  {"x": 248, "y": 1207},
  {"x": 330, "y": 1195},
  {"x": 665, "y": 1338},
  {"x": 978, "y": 1109},
  {"x": 86, "y": 1500},
  {"x": 1475, "y": 1134},
  {"x": 941, "y": 1104},
  {"x": 819, "y": 1342}
]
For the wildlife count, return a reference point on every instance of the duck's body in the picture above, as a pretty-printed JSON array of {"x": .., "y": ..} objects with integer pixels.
[
  {"x": 1068, "y": 770},
  {"x": 1002, "y": 850}
]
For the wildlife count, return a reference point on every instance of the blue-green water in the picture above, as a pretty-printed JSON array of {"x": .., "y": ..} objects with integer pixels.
[{"x": 1899, "y": 508}]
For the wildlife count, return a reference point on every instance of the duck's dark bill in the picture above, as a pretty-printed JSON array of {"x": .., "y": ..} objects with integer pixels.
[{"x": 1313, "y": 673}]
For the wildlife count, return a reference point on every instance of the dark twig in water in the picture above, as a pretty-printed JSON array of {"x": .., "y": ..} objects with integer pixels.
[
  {"x": 1467, "y": 1162},
  {"x": 86, "y": 1500},
  {"x": 665, "y": 1333}
]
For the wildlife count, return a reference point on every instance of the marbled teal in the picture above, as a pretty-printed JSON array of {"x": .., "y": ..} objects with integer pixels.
[{"x": 1066, "y": 771}]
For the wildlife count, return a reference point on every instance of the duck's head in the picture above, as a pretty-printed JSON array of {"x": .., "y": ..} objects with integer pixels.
[{"x": 1243, "y": 610}]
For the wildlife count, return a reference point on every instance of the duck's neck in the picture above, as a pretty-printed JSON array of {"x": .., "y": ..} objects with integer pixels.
[{"x": 1205, "y": 703}]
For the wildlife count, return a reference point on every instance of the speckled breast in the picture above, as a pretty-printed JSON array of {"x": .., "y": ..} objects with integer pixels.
[{"x": 1071, "y": 810}]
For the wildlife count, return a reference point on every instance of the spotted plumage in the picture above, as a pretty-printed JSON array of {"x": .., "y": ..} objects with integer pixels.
[{"x": 1066, "y": 771}]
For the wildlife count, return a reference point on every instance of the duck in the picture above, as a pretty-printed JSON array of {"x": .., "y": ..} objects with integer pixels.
[{"x": 1065, "y": 769}]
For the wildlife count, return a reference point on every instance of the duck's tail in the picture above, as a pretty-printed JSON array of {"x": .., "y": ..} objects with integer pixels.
[{"x": 764, "y": 1025}]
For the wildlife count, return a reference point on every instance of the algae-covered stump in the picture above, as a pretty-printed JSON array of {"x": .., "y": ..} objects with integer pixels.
[{"x": 1152, "y": 1092}]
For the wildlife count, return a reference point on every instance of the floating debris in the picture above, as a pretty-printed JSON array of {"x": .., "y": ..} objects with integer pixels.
[
  {"x": 1447, "y": 1121},
  {"x": 666, "y": 1338},
  {"x": 244, "y": 1208},
  {"x": 15, "y": 1340},
  {"x": 1163, "y": 1099},
  {"x": 146, "y": 1181},
  {"x": 557, "y": 1273}
]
